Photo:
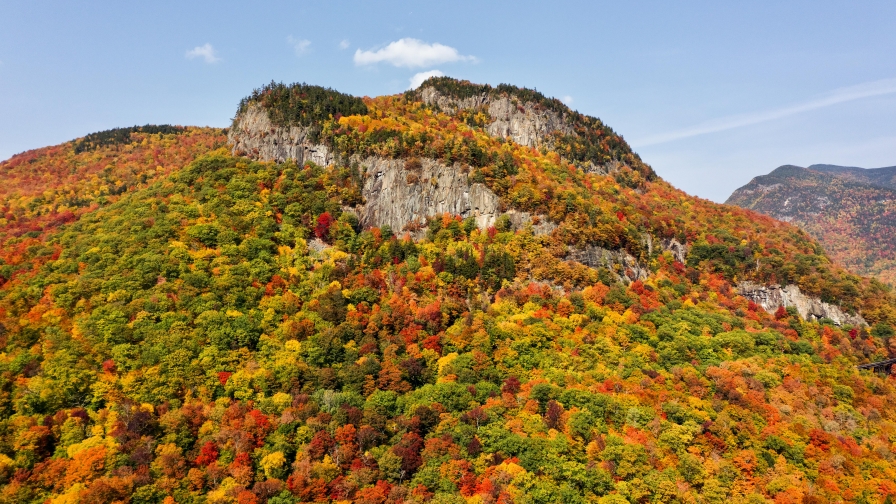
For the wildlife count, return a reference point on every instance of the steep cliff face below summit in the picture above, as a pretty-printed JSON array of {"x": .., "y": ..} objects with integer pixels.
[
  {"x": 404, "y": 194},
  {"x": 399, "y": 196},
  {"x": 254, "y": 135}
]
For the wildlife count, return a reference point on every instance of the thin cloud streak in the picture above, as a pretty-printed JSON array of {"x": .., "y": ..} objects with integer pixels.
[{"x": 842, "y": 95}]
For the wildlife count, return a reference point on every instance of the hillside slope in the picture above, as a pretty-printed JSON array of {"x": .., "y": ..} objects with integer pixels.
[
  {"x": 45, "y": 188},
  {"x": 481, "y": 296},
  {"x": 850, "y": 211}
]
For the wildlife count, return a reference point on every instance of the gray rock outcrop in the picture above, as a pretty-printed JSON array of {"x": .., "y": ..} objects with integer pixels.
[
  {"x": 253, "y": 134},
  {"x": 773, "y": 297},
  {"x": 541, "y": 225},
  {"x": 678, "y": 250},
  {"x": 525, "y": 123},
  {"x": 404, "y": 194},
  {"x": 623, "y": 265},
  {"x": 451, "y": 105},
  {"x": 404, "y": 197}
]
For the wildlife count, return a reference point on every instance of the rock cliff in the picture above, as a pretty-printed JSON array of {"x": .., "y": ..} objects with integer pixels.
[
  {"x": 773, "y": 297},
  {"x": 623, "y": 265},
  {"x": 525, "y": 123},
  {"x": 253, "y": 134},
  {"x": 403, "y": 194}
]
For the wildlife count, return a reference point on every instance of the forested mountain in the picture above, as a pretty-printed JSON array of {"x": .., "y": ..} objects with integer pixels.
[
  {"x": 884, "y": 177},
  {"x": 460, "y": 294},
  {"x": 850, "y": 211}
]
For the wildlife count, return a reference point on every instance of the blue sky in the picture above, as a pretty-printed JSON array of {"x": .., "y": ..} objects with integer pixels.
[{"x": 709, "y": 93}]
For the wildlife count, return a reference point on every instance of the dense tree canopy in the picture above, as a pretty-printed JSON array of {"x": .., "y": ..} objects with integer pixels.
[{"x": 224, "y": 331}]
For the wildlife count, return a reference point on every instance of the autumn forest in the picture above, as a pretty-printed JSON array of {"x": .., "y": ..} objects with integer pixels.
[{"x": 181, "y": 323}]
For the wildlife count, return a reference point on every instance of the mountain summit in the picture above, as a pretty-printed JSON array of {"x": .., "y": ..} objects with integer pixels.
[
  {"x": 458, "y": 294},
  {"x": 851, "y": 211}
]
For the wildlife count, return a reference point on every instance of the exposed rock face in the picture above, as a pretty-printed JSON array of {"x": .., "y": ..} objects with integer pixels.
[
  {"x": 622, "y": 264},
  {"x": 403, "y": 196},
  {"x": 254, "y": 134},
  {"x": 524, "y": 123},
  {"x": 399, "y": 196},
  {"x": 450, "y": 105},
  {"x": 772, "y": 297},
  {"x": 541, "y": 225},
  {"x": 679, "y": 250},
  {"x": 317, "y": 245}
]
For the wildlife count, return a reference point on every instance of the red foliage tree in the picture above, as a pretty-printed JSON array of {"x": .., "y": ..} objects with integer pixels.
[
  {"x": 324, "y": 221},
  {"x": 207, "y": 454}
]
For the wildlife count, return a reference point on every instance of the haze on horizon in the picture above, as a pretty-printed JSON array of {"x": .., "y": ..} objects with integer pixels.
[{"x": 709, "y": 94}]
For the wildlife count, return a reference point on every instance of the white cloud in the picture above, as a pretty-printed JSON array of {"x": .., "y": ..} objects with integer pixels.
[
  {"x": 419, "y": 77},
  {"x": 344, "y": 44},
  {"x": 409, "y": 52},
  {"x": 567, "y": 100},
  {"x": 206, "y": 52},
  {"x": 846, "y": 94},
  {"x": 300, "y": 45}
]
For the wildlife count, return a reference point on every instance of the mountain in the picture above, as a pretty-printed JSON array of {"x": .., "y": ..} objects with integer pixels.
[
  {"x": 884, "y": 177},
  {"x": 462, "y": 293},
  {"x": 850, "y": 211}
]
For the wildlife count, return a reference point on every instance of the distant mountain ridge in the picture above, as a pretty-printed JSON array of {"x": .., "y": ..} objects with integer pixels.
[
  {"x": 850, "y": 210},
  {"x": 884, "y": 177}
]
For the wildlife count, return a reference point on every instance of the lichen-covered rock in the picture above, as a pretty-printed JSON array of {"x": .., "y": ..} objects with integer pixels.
[
  {"x": 403, "y": 195},
  {"x": 541, "y": 225},
  {"x": 623, "y": 265},
  {"x": 773, "y": 297},
  {"x": 678, "y": 250},
  {"x": 253, "y": 134},
  {"x": 451, "y": 105},
  {"x": 523, "y": 122}
]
